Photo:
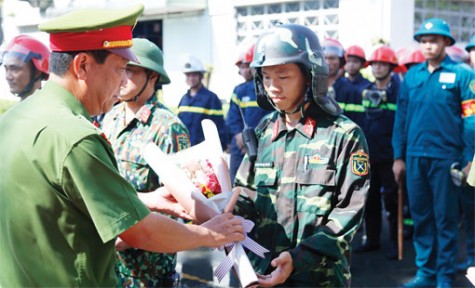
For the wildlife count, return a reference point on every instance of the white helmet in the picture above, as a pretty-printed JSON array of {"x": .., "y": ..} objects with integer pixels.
[{"x": 193, "y": 64}]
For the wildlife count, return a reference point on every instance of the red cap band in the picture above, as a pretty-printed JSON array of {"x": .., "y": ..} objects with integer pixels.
[{"x": 106, "y": 38}]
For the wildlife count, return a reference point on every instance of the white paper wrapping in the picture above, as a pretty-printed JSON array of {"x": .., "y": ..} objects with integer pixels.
[{"x": 194, "y": 202}]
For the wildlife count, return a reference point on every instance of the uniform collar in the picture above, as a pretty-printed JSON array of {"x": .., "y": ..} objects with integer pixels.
[
  {"x": 56, "y": 91},
  {"x": 305, "y": 127},
  {"x": 145, "y": 111}
]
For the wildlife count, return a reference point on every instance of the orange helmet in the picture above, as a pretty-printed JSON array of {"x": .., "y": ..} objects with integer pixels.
[
  {"x": 387, "y": 55},
  {"x": 27, "y": 48},
  {"x": 356, "y": 51}
]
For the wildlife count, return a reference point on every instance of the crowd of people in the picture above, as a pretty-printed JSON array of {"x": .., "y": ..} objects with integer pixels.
[{"x": 331, "y": 146}]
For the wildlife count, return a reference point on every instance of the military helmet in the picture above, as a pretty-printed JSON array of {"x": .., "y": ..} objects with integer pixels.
[
  {"x": 150, "y": 57},
  {"x": 470, "y": 44},
  {"x": 292, "y": 43},
  {"x": 434, "y": 26},
  {"x": 26, "y": 48}
]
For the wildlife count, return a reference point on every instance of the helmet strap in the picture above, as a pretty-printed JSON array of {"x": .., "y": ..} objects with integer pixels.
[
  {"x": 136, "y": 97},
  {"x": 33, "y": 79}
]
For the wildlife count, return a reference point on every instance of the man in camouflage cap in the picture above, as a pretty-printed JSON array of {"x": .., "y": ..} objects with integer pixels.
[
  {"x": 307, "y": 187},
  {"x": 63, "y": 202},
  {"x": 140, "y": 119}
]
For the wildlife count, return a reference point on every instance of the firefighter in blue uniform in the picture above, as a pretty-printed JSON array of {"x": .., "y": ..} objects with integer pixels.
[
  {"x": 433, "y": 129},
  {"x": 339, "y": 87},
  {"x": 243, "y": 104},
  {"x": 200, "y": 103},
  {"x": 379, "y": 100},
  {"x": 355, "y": 61}
]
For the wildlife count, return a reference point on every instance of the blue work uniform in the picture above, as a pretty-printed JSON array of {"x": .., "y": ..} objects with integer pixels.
[
  {"x": 434, "y": 128},
  {"x": 380, "y": 110},
  {"x": 204, "y": 105},
  {"x": 243, "y": 101},
  {"x": 349, "y": 99},
  {"x": 359, "y": 82}
]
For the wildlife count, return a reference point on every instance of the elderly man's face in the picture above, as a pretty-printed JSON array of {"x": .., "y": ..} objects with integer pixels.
[{"x": 104, "y": 82}]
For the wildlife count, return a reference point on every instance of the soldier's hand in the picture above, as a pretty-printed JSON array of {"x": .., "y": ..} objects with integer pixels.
[
  {"x": 284, "y": 266},
  {"x": 225, "y": 228},
  {"x": 399, "y": 170}
]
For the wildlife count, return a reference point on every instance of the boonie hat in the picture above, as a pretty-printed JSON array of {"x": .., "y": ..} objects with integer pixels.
[{"x": 94, "y": 29}]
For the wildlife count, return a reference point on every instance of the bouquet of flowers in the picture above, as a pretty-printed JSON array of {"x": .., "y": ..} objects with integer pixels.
[{"x": 202, "y": 175}]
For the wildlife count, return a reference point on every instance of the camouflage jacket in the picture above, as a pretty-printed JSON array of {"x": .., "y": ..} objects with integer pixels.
[
  {"x": 157, "y": 124},
  {"x": 310, "y": 187}
]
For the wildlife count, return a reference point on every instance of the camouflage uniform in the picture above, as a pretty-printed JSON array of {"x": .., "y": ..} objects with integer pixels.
[
  {"x": 311, "y": 184},
  {"x": 153, "y": 123}
]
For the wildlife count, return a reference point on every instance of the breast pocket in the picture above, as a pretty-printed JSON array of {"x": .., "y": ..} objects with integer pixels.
[{"x": 316, "y": 187}]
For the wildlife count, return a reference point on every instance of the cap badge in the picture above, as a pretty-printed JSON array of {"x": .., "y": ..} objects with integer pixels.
[{"x": 429, "y": 26}]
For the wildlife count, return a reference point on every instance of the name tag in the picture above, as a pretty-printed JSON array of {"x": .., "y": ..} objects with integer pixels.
[{"x": 447, "y": 77}]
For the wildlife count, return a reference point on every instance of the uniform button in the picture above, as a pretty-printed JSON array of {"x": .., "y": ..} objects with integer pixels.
[{"x": 443, "y": 86}]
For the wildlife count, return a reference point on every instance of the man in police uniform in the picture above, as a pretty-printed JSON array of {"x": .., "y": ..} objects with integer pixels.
[
  {"x": 63, "y": 202},
  {"x": 307, "y": 188},
  {"x": 140, "y": 119},
  {"x": 434, "y": 128}
]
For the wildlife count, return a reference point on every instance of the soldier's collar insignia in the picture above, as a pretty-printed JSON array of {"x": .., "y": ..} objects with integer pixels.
[{"x": 359, "y": 163}]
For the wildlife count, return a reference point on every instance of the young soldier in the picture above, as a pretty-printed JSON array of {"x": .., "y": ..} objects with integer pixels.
[
  {"x": 140, "y": 119},
  {"x": 307, "y": 188}
]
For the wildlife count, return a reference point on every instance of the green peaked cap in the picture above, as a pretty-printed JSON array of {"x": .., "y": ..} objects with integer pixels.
[{"x": 92, "y": 19}]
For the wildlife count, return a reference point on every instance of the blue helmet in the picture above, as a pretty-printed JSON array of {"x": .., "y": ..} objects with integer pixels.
[
  {"x": 434, "y": 26},
  {"x": 470, "y": 44}
]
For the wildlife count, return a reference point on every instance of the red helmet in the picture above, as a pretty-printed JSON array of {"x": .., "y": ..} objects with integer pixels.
[
  {"x": 27, "y": 48},
  {"x": 414, "y": 57},
  {"x": 387, "y": 55},
  {"x": 245, "y": 57},
  {"x": 356, "y": 51}
]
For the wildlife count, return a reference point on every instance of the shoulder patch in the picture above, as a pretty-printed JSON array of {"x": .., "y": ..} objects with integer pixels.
[
  {"x": 359, "y": 163},
  {"x": 472, "y": 86}
]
